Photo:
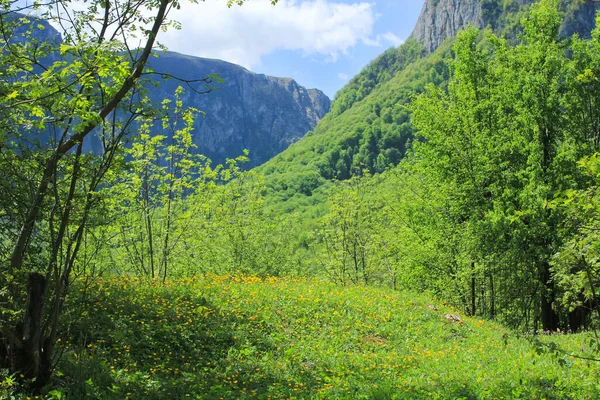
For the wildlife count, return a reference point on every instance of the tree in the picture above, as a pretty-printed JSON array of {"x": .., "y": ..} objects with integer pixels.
[
  {"x": 240, "y": 236},
  {"x": 349, "y": 234},
  {"x": 576, "y": 266},
  {"x": 147, "y": 194},
  {"x": 61, "y": 91},
  {"x": 498, "y": 147}
]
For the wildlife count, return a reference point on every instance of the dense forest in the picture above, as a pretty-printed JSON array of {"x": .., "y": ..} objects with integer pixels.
[{"x": 435, "y": 236}]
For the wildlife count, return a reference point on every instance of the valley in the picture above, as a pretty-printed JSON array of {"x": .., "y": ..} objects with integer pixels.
[{"x": 174, "y": 226}]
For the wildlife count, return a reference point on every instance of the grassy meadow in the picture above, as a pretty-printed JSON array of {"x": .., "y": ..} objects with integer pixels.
[{"x": 243, "y": 338}]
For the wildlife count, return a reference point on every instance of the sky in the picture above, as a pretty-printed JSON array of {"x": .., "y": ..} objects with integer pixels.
[{"x": 319, "y": 43}]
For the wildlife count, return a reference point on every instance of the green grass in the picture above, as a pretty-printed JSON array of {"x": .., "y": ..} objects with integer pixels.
[{"x": 217, "y": 337}]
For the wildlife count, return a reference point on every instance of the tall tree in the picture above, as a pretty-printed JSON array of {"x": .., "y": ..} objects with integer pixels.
[{"x": 499, "y": 146}]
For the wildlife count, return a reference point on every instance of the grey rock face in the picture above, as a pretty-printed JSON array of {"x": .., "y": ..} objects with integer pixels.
[
  {"x": 583, "y": 20},
  {"x": 31, "y": 28},
  {"x": 441, "y": 19},
  {"x": 260, "y": 113}
]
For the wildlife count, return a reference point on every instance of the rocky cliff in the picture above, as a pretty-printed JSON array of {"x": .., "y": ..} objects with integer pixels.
[
  {"x": 250, "y": 111},
  {"x": 581, "y": 20},
  {"x": 260, "y": 113},
  {"x": 441, "y": 19}
]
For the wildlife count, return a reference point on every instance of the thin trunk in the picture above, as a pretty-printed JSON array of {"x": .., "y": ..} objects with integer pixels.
[
  {"x": 75, "y": 245},
  {"x": 594, "y": 299},
  {"x": 165, "y": 252},
  {"x": 148, "y": 219},
  {"x": 355, "y": 260},
  {"x": 168, "y": 228},
  {"x": 60, "y": 275},
  {"x": 473, "y": 293},
  {"x": 492, "y": 298},
  {"x": 364, "y": 266},
  {"x": 550, "y": 320}
]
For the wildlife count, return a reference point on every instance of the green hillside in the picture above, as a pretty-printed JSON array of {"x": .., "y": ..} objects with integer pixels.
[
  {"x": 367, "y": 129},
  {"x": 247, "y": 338}
]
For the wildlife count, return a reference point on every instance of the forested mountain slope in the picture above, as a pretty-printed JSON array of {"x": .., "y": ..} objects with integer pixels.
[
  {"x": 369, "y": 127},
  {"x": 366, "y": 129}
]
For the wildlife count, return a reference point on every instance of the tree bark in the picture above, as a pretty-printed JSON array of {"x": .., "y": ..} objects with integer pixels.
[
  {"x": 27, "y": 353},
  {"x": 550, "y": 319},
  {"x": 492, "y": 298},
  {"x": 473, "y": 293}
]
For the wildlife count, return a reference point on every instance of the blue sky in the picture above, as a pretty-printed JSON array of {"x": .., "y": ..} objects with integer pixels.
[{"x": 319, "y": 43}]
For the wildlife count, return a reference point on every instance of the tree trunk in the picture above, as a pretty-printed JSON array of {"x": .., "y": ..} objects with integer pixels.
[
  {"x": 550, "y": 320},
  {"x": 473, "y": 294},
  {"x": 492, "y": 298},
  {"x": 27, "y": 347},
  {"x": 578, "y": 317}
]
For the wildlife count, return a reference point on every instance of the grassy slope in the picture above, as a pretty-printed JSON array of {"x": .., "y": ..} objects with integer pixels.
[{"x": 245, "y": 338}]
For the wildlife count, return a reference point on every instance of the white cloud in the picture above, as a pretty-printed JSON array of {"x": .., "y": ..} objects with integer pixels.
[
  {"x": 372, "y": 42},
  {"x": 242, "y": 35},
  {"x": 388, "y": 37},
  {"x": 392, "y": 39},
  {"x": 343, "y": 76}
]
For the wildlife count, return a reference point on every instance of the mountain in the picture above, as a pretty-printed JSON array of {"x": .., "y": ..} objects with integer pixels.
[
  {"x": 369, "y": 126},
  {"x": 261, "y": 113},
  {"x": 442, "y": 19},
  {"x": 581, "y": 20},
  {"x": 32, "y": 29},
  {"x": 366, "y": 128}
]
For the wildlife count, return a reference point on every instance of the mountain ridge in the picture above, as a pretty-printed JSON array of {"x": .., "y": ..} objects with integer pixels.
[{"x": 247, "y": 111}]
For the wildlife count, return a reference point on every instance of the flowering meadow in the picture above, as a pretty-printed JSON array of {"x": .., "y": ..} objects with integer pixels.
[{"x": 236, "y": 337}]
